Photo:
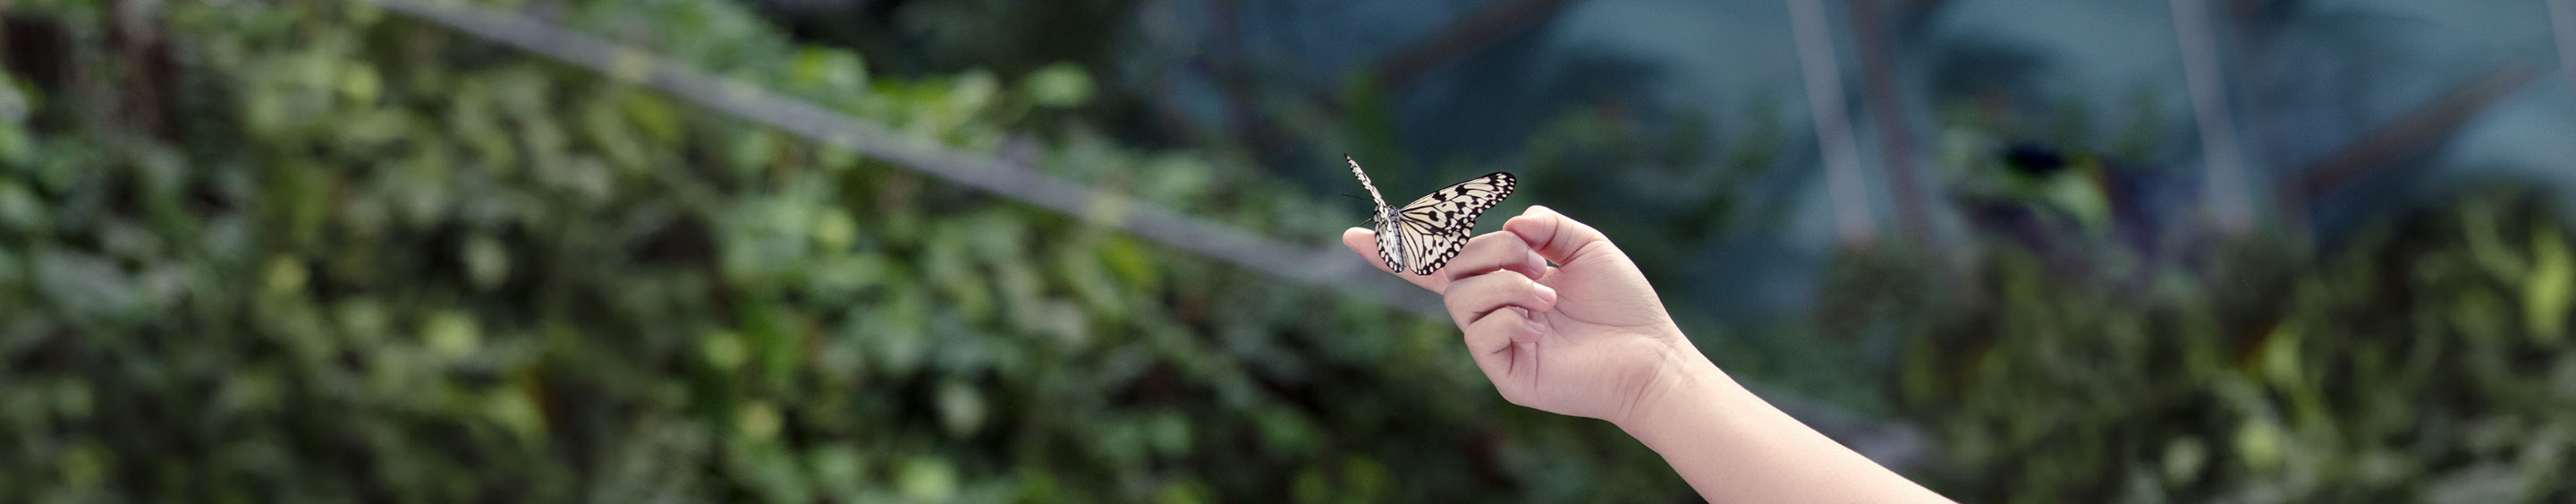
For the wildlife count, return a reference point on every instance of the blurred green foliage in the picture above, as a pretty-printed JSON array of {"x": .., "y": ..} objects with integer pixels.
[
  {"x": 2425, "y": 360},
  {"x": 305, "y": 250}
]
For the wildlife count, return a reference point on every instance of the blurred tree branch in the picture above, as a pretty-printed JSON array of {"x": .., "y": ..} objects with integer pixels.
[
  {"x": 1465, "y": 37},
  {"x": 2409, "y": 135}
]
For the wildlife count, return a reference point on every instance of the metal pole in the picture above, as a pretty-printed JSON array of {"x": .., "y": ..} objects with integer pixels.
[
  {"x": 2223, "y": 181},
  {"x": 1824, "y": 81},
  {"x": 2562, "y": 23}
]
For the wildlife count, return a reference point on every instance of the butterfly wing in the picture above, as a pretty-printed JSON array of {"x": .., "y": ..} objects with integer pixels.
[
  {"x": 1390, "y": 241},
  {"x": 1434, "y": 228},
  {"x": 1364, "y": 181}
]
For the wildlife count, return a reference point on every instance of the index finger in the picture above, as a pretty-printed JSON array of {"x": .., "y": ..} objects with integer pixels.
[
  {"x": 1492, "y": 252},
  {"x": 1558, "y": 238}
]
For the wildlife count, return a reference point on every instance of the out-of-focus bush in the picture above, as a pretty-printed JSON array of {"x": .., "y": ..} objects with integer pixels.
[
  {"x": 310, "y": 251},
  {"x": 2427, "y": 359}
]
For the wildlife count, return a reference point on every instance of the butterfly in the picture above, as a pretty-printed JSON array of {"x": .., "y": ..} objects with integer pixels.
[{"x": 1421, "y": 236}]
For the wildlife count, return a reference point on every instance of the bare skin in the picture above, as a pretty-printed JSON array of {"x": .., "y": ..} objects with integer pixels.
[{"x": 1589, "y": 338}]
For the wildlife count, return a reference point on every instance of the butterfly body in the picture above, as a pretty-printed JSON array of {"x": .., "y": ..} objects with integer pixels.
[{"x": 1422, "y": 236}]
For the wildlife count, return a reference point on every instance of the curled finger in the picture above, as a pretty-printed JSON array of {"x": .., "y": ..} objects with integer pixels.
[
  {"x": 1476, "y": 297},
  {"x": 1503, "y": 346},
  {"x": 1495, "y": 252}
]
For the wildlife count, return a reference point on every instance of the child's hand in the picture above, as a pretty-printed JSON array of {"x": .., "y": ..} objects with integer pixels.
[
  {"x": 1585, "y": 338},
  {"x": 1588, "y": 338}
]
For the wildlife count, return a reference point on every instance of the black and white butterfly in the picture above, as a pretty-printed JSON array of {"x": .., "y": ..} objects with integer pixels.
[{"x": 1421, "y": 236}]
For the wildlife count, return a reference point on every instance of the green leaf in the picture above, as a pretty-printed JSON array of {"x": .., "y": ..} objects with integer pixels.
[
  {"x": 21, "y": 211},
  {"x": 1060, "y": 85},
  {"x": 926, "y": 479},
  {"x": 838, "y": 467},
  {"x": 961, "y": 408},
  {"x": 451, "y": 335},
  {"x": 757, "y": 421},
  {"x": 830, "y": 70},
  {"x": 2550, "y": 288},
  {"x": 359, "y": 83},
  {"x": 514, "y": 409},
  {"x": 725, "y": 350},
  {"x": 2481, "y": 231},
  {"x": 2260, "y": 444},
  {"x": 486, "y": 264}
]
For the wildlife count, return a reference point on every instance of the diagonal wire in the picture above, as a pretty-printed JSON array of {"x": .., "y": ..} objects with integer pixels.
[{"x": 1328, "y": 267}]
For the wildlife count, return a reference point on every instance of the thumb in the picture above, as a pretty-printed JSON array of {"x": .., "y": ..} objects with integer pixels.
[{"x": 1559, "y": 239}]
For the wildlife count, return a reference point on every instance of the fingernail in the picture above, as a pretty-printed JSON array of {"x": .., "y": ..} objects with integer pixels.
[
  {"x": 1536, "y": 326},
  {"x": 1547, "y": 295}
]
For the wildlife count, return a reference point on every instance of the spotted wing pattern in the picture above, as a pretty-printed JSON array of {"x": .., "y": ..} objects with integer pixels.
[
  {"x": 1382, "y": 219},
  {"x": 1422, "y": 236},
  {"x": 1437, "y": 226}
]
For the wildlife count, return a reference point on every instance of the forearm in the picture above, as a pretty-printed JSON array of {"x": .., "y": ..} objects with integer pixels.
[{"x": 1734, "y": 447}]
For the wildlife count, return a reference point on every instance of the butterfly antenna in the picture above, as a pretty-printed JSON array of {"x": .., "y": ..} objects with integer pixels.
[{"x": 1372, "y": 220}]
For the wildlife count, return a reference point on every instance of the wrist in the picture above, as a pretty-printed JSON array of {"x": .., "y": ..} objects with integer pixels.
[{"x": 1684, "y": 381}]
